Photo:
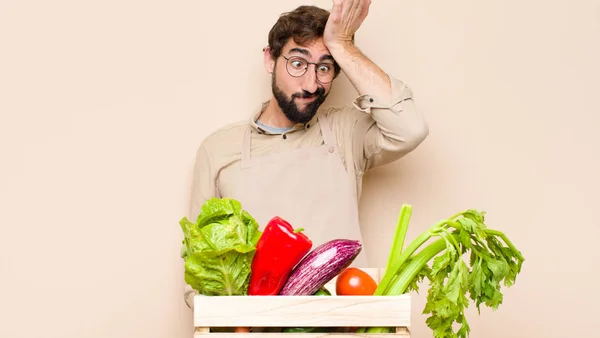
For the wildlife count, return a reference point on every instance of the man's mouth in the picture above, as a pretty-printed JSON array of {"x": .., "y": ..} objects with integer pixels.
[{"x": 304, "y": 98}]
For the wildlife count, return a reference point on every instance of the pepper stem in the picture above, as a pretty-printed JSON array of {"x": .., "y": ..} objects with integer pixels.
[{"x": 298, "y": 230}]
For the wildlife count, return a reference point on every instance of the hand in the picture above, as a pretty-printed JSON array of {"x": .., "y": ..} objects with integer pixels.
[{"x": 345, "y": 19}]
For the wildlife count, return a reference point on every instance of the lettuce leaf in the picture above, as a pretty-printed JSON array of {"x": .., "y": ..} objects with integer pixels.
[{"x": 219, "y": 247}]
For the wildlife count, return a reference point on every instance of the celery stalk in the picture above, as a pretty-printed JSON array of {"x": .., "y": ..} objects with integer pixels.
[
  {"x": 416, "y": 264},
  {"x": 409, "y": 272},
  {"x": 397, "y": 263},
  {"x": 399, "y": 236},
  {"x": 494, "y": 258},
  {"x": 395, "y": 268}
]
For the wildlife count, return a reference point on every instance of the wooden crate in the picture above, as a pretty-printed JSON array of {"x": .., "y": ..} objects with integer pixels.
[{"x": 303, "y": 311}]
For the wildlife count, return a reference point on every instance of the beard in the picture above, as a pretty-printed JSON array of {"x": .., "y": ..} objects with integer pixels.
[{"x": 290, "y": 108}]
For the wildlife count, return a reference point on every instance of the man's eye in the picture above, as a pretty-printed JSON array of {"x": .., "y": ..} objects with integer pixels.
[
  {"x": 324, "y": 68},
  {"x": 298, "y": 64}
]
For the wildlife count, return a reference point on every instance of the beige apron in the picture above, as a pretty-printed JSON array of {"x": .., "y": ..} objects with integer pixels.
[{"x": 308, "y": 187}]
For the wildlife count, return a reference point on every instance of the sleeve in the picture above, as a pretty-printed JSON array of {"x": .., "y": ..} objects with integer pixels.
[
  {"x": 188, "y": 296},
  {"x": 203, "y": 188},
  {"x": 389, "y": 130},
  {"x": 203, "y": 182}
]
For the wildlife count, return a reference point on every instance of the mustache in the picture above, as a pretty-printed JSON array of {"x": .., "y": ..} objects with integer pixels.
[{"x": 306, "y": 95}]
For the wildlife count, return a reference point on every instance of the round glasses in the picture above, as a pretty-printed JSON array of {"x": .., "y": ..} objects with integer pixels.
[{"x": 297, "y": 66}]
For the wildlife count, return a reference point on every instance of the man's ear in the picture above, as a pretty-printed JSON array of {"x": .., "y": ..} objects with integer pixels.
[{"x": 268, "y": 60}]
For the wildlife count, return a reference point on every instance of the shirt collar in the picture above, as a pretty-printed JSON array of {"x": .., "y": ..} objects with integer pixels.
[{"x": 256, "y": 114}]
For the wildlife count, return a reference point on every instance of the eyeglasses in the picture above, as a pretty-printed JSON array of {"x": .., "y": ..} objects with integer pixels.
[{"x": 297, "y": 66}]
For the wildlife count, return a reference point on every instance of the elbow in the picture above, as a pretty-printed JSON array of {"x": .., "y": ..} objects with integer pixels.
[
  {"x": 419, "y": 134},
  {"x": 409, "y": 140}
]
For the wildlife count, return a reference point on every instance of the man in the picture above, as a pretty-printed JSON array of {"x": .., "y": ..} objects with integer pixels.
[{"x": 295, "y": 160}]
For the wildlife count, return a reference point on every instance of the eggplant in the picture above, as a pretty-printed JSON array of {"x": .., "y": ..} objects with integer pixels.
[{"x": 319, "y": 266}]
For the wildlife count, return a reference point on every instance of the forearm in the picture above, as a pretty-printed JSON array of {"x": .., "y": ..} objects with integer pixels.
[
  {"x": 391, "y": 129},
  {"x": 396, "y": 126},
  {"x": 364, "y": 74}
]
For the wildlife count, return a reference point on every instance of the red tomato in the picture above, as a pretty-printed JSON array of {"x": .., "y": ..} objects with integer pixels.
[{"x": 355, "y": 282}]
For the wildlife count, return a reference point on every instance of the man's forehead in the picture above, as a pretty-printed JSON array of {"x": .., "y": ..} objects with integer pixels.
[{"x": 314, "y": 49}]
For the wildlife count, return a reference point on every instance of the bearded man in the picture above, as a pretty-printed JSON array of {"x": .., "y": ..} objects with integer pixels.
[{"x": 294, "y": 159}]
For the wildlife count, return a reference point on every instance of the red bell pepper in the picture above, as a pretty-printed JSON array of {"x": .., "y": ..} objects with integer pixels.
[{"x": 278, "y": 250}]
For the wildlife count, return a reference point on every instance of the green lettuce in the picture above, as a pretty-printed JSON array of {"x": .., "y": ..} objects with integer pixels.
[{"x": 219, "y": 247}]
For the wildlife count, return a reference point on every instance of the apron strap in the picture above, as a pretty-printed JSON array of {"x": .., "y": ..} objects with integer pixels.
[
  {"x": 328, "y": 137},
  {"x": 246, "y": 148}
]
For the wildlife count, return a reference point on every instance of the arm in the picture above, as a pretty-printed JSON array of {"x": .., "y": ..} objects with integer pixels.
[
  {"x": 203, "y": 183},
  {"x": 391, "y": 130},
  {"x": 203, "y": 188},
  {"x": 366, "y": 77},
  {"x": 394, "y": 127}
]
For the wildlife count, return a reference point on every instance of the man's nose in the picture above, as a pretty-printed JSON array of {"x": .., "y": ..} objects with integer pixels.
[{"x": 309, "y": 80}]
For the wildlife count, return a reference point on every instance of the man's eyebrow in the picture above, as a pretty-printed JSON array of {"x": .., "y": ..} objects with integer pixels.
[
  {"x": 307, "y": 53},
  {"x": 300, "y": 50},
  {"x": 326, "y": 57}
]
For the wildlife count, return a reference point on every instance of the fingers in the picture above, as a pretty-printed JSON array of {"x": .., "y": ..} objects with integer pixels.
[
  {"x": 348, "y": 9},
  {"x": 336, "y": 11},
  {"x": 355, "y": 10},
  {"x": 356, "y": 5},
  {"x": 366, "y": 6},
  {"x": 363, "y": 8},
  {"x": 348, "y": 15}
]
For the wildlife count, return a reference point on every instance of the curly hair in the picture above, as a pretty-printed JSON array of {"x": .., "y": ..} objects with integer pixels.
[{"x": 304, "y": 25}]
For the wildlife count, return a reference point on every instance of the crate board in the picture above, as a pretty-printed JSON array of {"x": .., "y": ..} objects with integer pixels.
[
  {"x": 317, "y": 311},
  {"x": 303, "y": 311},
  {"x": 400, "y": 333}
]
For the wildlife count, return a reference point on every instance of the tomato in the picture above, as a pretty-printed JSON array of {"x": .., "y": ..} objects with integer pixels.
[{"x": 355, "y": 282}]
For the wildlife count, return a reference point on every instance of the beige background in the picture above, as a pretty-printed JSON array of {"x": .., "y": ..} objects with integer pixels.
[{"x": 103, "y": 104}]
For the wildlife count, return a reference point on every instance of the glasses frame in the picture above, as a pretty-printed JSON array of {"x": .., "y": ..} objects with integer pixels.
[{"x": 287, "y": 60}]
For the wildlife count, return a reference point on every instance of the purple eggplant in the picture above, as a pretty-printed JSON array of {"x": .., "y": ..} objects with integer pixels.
[{"x": 319, "y": 266}]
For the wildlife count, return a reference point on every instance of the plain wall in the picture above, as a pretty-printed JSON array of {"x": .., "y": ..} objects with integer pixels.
[{"x": 103, "y": 105}]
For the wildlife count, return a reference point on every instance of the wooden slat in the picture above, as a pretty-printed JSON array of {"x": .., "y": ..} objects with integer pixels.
[
  {"x": 301, "y": 335},
  {"x": 303, "y": 311}
]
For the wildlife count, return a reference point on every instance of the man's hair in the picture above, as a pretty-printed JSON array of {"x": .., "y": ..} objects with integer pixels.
[{"x": 304, "y": 25}]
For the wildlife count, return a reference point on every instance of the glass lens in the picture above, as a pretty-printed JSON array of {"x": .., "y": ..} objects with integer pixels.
[
  {"x": 296, "y": 66},
  {"x": 325, "y": 72}
]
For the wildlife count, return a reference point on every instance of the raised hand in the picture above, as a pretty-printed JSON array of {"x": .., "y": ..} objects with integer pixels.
[{"x": 345, "y": 19}]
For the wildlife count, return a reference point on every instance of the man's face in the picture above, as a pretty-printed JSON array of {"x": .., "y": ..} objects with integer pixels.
[{"x": 300, "y": 97}]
